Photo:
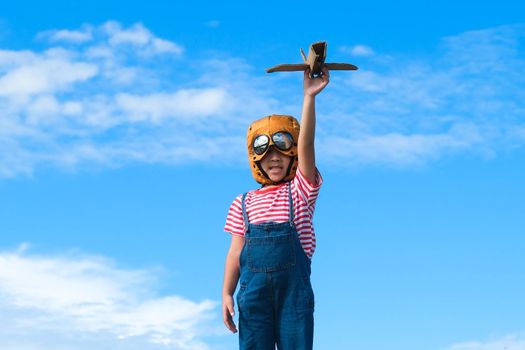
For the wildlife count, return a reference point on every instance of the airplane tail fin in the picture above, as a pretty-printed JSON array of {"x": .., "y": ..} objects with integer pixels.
[{"x": 304, "y": 56}]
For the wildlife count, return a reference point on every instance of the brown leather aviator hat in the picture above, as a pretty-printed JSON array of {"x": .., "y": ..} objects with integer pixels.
[{"x": 278, "y": 131}]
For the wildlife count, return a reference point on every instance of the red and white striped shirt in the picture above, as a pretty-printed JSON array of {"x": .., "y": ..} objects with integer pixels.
[{"x": 272, "y": 205}]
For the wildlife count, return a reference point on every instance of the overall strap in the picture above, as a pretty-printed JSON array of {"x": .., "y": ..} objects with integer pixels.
[
  {"x": 291, "y": 202},
  {"x": 244, "y": 214}
]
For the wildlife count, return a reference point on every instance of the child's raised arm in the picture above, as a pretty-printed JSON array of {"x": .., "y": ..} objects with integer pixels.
[{"x": 305, "y": 144}]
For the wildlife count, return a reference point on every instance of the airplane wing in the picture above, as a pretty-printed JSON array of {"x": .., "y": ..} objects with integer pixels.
[
  {"x": 303, "y": 67},
  {"x": 288, "y": 68},
  {"x": 340, "y": 66}
]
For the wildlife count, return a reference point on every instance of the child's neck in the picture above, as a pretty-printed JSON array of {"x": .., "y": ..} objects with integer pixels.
[{"x": 266, "y": 188}]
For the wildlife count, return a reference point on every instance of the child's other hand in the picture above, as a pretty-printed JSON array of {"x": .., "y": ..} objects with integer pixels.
[
  {"x": 313, "y": 86},
  {"x": 228, "y": 312}
]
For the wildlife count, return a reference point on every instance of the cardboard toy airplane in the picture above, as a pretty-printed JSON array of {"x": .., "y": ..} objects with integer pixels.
[{"x": 314, "y": 61}]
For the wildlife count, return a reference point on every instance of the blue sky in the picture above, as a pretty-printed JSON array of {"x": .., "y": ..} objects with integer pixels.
[{"x": 122, "y": 130}]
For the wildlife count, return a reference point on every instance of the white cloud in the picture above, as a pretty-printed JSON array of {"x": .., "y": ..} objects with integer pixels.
[
  {"x": 183, "y": 104},
  {"x": 55, "y": 103},
  {"x": 358, "y": 50},
  {"x": 136, "y": 35},
  {"x": 398, "y": 149},
  {"x": 72, "y": 108},
  {"x": 109, "y": 101},
  {"x": 508, "y": 342},
  {"x": 14, "y": 159},
  {"x": 73, "y": 36},
  {"x": 8, "y": 58},
  {"x": 430, "y": 108},
  {"x": 165, "y": 46},
  {"x": 485, "y": 51},
  {"x": 139, "y": 36},
  {"x": 87, "y": 296},
  {"x": 45, "y": 75}
]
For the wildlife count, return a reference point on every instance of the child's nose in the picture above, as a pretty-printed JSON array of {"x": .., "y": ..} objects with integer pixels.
[{"x": 274, "y": 154}]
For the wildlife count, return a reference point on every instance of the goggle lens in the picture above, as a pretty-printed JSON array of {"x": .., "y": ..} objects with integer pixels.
[
  {"x": 260, "y": 144},
  {"x": 282, "y": 140}
]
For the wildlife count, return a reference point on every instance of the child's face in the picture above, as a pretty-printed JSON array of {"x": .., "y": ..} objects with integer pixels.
[{"x": 275, "y": 164}]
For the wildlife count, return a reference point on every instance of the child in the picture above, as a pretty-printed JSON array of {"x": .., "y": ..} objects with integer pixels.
[{"x": 272, "y": 237}]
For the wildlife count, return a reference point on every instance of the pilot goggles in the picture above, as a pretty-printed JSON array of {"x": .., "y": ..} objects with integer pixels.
[{"x": 281, "y": 139}]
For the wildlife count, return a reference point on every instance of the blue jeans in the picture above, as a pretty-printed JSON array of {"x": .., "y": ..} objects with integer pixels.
[{"x": 275, "y": 299}]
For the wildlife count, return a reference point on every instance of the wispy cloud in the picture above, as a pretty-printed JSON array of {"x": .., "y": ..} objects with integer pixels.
[
  {"x": 185, "y": 103},
  {"x": 213, "y": 24},
  {"x": 63, "y": 297},
  {"x": 508, "y": 342},
  {"x": 401, "y": 150},
  {"x": 56, "y": 105},
  {"x": 139, "y": 36},
  {"x": 71, "y": 36},
  {"x": 467, "y": 98},
  {"x": 358, "y": 50},
  {"x": 110, "y": 94},
  {"x": 47, "y": 73}
]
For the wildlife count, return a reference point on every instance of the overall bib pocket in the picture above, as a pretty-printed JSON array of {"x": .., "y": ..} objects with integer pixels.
[{"x": 267, "y": 254}]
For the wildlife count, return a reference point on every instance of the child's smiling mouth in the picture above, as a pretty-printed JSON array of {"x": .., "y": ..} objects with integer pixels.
[{"x": 275, "y": 168}]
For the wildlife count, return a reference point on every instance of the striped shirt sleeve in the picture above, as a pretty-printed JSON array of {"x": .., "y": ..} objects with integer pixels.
[
  {"x": 234, "y": 220},
  {"x": 308, "y": 191}
]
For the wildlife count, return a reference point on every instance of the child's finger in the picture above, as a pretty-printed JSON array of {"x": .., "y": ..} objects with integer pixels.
[
  {"x": 230, "y": 324},
  {"x": 227, "y": 315},
  {"x": 231, "y": 311},
  {"x": 307, "y": 73}
]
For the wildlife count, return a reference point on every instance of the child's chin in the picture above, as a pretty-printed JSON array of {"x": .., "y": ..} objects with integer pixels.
[{"x": 276, "y": 178}]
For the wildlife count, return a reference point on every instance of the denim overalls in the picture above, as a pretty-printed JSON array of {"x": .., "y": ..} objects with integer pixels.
[{"x": 275, "y": 299}]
